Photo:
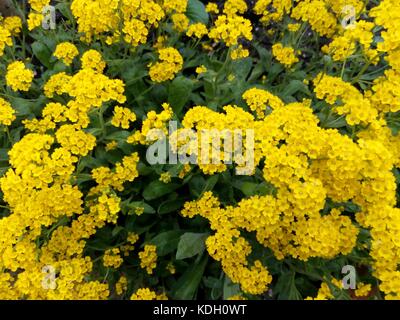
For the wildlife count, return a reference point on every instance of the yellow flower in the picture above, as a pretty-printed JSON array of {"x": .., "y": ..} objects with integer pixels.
[
  {"x": 165, "y": 177},
  {"x": 92, "y": 59},
  {"x": 261, "y": 100},
  {"x": 180, "y": 21},
  {"x": 132, "y": 238},
  {"x": 212, "y": 7},
  {"x": 229, "y": 29},
  {"x": 76, "y": 141},
  {"x": 18, "y": 77},
  {"x": 121, "y": 286},
  {"x": 170, "y": 63},
  {"x": 197, "y": 29},
  {"x": 13, "y": 24},
  {"x": 111, "y": 145},
  {"x": 7, "y": 113},
  {"x": 66, "y": 52},
  {"x": 135, "y": 32},
  {"x": 201, "y": 69},
  {"x": 122, "y": 117},
  {"x": 171, "y": 268},
  {"x": 147, "y": 294},
  {"x": 363, "y": 289},
  {"x": 175, "y": 6},
  {"x": 293, "y": 27},
  {"x": 112, "y": 259},
  {"x": 239, "y": 53},
  {"x": 285, "y": 55},
  {"x": 148, "y": 258},
  {"x": 139, "y": 211},
  {"x": 34, "y": 20}
]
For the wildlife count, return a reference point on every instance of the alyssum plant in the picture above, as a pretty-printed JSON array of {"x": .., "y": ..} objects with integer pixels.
[{"x": 86, "y": 215}]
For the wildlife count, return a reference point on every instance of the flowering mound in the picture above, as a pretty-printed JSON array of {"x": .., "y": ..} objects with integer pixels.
[{"x": 175, "y": 149}]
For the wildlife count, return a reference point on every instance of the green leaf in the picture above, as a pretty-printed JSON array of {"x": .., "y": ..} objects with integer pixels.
[
  {"x": 157, "y": 189},
  {"x": 25, "y": 107},
  {"x": 65, "y": 11},
  {"x": 170, "y": 206},
  {"x": 295, "y": 86},
  {"x": 186, "y": 287},
  {"x": 166, "y": 242},
  {"x": 286, "y": 287},
  {"x": 141, "y": 204},
  {"x": 196, "y": 12},
  {"x": 118, "y": 135},
  {"x": 242, "y": 68},
  {"x": 230, "y": 289},
  {"x": 190, "y": 244},
  {"x": 116, "y": 230},
  {"x": 332, "y": 120},
  {"x": 42, "y": 52},
  {"x": 179, "y": 93},
  {"x": 4, "y": 154},
  {"x": 210, "y": 183}
]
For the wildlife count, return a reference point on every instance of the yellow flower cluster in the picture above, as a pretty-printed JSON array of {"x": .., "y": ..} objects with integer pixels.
[
  {"x": 135, "y": 32},
  {"x": 112, "y": 258},
  {"x": 197, "y": 136},
  {"x": 239, "y": 53},
  {"x": 148, "y": 258},
  {"x": 212, "y": 7},
  {"x": 385, "y": 92},
  {"x": 285, "y": 55},
  {"x": 9, "y": 26},
  {"x": 5, "y": 39},
  {"x": 165, "y": 177},
  {"x": 227, "y": 245},
  {"x": 229, "y": 29},
  {"x": 121, "y": 17},
  {"x": 325, "y": 291},
  {"x": 66, "y": 52},
  {"x": 201, "y": 69},
  {"x": 147, "y": 294},
  {"x": 308, "y": 165},
  {"x": 180, "y": 22},
  {"x": 317, "y": 14},
  {"x": 18, "y": 77},
  {"x": 74, "y": 140},
  {"x": 169, "y": 64},
  {"x": 40, "y": 190},
  {"x": 362, "y": 289},
  {"x": 35, "y": 17},
  {"x": 345, "y": 99},
  {"x": 124, "y": 171},
  {"x": 122, "y": 117},
  {"x": 272, "y": 10},
  {"x": 93, "y": 60},
  {"x": 7, "y": 113},
  {"x": 178, "y": 6},
  {"x": 261, "y": 101},
  {"x": 89, "y": 89},
  {"x": 387, "y": 15},
  {"x": 152, "y": 125},
  {"x": 343, "y": 46},
  {"x": 197, "y": 30},
  {"x": 121, "y": 286}
]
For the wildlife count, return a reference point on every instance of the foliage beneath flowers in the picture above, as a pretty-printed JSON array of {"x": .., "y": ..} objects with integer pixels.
[{"x": 81, "y": 104}]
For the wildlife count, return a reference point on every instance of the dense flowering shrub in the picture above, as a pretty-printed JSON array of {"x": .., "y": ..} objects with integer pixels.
[{"x": 85, "y": 214}]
